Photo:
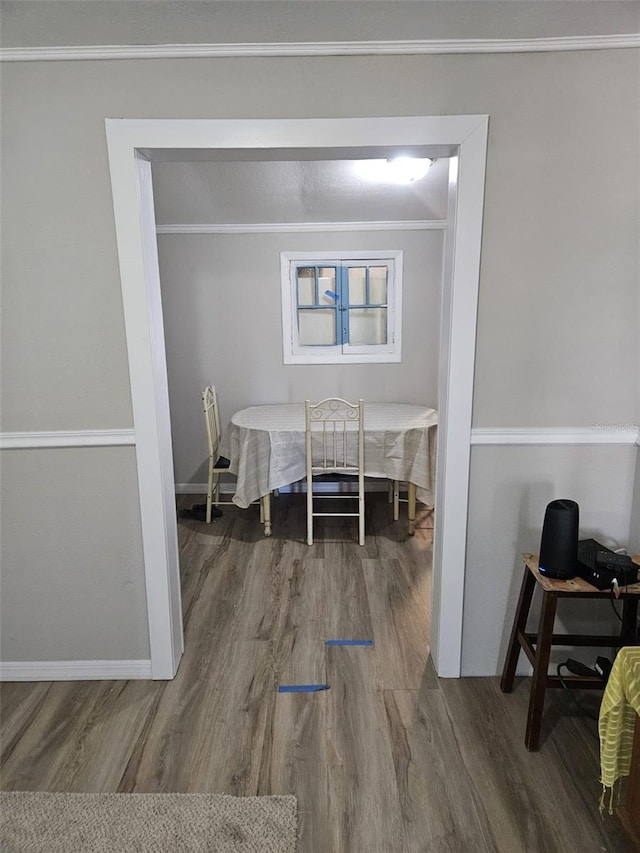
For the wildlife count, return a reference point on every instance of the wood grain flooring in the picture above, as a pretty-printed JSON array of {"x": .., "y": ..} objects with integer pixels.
[{"x": 389, "y": 759}]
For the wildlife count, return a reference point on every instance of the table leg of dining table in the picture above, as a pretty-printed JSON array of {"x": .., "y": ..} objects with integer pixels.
[
  {"x": 265, "y": 505},
  {"x": 411, "y": 512}
]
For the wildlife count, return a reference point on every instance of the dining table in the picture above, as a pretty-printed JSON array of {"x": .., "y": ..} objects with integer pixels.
[{"x": 265, "y": 446}]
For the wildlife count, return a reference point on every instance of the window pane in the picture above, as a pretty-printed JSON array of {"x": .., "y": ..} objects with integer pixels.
[
  {"x": 367, "y": 326},
  {"x": 317, "y": 327},
  {"x": 378, "y": 285},
  {"x": 357, "y": 285},
  {"x": 326, "y": 281},
  {"x": 306, "y": 285}
]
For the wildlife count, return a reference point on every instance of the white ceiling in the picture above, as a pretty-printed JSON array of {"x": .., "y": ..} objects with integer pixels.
[{"x": 291, "y": 191}]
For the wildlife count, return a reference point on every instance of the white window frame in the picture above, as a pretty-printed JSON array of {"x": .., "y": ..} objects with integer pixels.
[{"x": 295, "y": 353}]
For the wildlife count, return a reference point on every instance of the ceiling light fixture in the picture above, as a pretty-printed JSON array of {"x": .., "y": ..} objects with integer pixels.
[
  {"x": 404, "y": 170},
  {"x": 396, "y": 170}
]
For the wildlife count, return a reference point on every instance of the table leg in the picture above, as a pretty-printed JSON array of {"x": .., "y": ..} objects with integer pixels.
[
  {"x": 519, "y": 625},
  {"x": 629, "y": 628},
  {"x": 265, "y": 503},
  {"x": 394, "y": 489},
  {"x": 540, "y": 670},
  {"x": 411, "y": 501}
]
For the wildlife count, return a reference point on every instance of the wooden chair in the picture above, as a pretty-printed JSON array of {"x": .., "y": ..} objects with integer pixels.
[
  {"x": 219, "y": 465},
  {"x": 334, "y": 444}
]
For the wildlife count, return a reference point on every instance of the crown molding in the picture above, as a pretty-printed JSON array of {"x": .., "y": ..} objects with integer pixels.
[
  {"x": 289, "y": 227},
  {"x": 338, "y": 48},
  {"x": 67, "y": 438}
]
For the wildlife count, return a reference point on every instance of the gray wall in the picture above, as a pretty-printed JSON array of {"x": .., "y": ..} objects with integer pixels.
[
  {"x": 510, "y": 489},
  {"x": 223, "y": 325},
  {"x": 558, "y": 310},
  {"x": 260, "y": 21},
  {"x": 71, "y": 545}
]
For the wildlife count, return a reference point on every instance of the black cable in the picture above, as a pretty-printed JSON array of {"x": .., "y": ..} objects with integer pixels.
[{"x": 635, "y": 635}]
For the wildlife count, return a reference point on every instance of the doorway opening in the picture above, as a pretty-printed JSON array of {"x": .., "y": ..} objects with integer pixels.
[{"x": 132, "y": 144}]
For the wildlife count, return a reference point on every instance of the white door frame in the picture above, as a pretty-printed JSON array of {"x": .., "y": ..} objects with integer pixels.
[{"x": 463, "y": 139}]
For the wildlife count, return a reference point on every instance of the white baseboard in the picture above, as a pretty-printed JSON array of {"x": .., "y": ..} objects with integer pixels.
[
  {"x": 75, "y": 670},
  {"x": 200, "y": 488}
]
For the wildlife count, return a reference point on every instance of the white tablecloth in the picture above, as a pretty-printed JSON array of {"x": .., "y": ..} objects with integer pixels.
[{"x": 266, "y": 447}]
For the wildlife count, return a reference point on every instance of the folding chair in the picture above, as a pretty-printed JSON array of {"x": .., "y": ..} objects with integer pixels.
[
  {"x": 334, "y": 444},
  {"x": 219, "y": 465}
]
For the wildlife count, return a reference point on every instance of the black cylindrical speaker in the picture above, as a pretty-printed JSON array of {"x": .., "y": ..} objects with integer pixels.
[{"x": 559, "y": 545}]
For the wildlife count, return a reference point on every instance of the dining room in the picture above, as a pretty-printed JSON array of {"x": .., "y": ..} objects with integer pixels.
[
  {"x": 223, "y": 228},
  {"x": 226, "y": 225},
  {"x": 226, "y": 234}
]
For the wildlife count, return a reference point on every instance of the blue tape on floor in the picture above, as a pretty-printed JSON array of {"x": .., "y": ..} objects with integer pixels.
[
  {"x": 302, "y": 688},
  {"x": 348, "y": 642}
]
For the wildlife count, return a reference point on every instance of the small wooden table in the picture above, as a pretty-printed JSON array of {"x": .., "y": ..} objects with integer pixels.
[{"x": 537, "y": 647}]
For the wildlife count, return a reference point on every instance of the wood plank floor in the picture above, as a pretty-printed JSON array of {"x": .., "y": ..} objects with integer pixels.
[{"x": 389, "y": 759}]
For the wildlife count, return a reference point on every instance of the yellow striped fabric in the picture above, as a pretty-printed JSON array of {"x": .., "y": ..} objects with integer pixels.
[{"x": 620, "y": 705}]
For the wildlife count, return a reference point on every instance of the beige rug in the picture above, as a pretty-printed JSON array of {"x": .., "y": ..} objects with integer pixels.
[{"x": 145, "y": 823}]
